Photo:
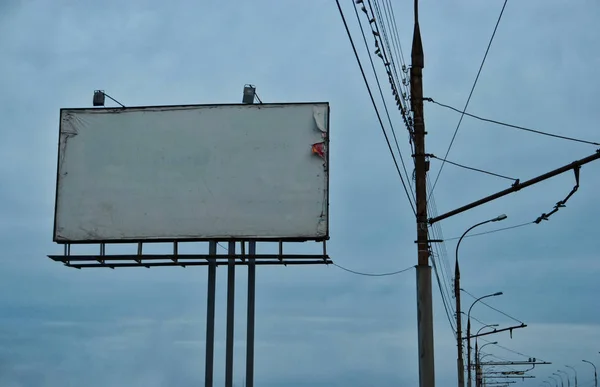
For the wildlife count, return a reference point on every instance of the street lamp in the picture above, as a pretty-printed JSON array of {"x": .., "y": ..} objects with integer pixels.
[
  {"x": 562, "y": 382},
  {"x": 568, "y": 382},
  {"x": 574, "y": 370},
  {"x": 478, "y": 372},
  {"x": 469, "y": 330},
  {"x": 555, "y": 381},
  {"x": 460, "y": 363},
  {"x": 595, "y": 372}
]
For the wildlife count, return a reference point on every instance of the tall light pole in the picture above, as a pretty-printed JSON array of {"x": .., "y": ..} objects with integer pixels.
[
  {"x": 469, "y": 333},
  {"x": 574, "y": 370},
  {"x": 567, "y": 375},
  {"x": 478, "y": 361},
  {"x": 460, "y": 363},
  {"x": 545, "y": 381},
  {"x": 555, "y": 380},
  {"x": 562, "y": 382},
  {"x": 595, "y": 372}
]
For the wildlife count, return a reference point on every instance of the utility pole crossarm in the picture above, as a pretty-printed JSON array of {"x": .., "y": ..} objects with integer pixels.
[
  {"x": 509, "y": 363},
  {"x": 495, "y": 331},
  {"x": 518, "y": 186}
]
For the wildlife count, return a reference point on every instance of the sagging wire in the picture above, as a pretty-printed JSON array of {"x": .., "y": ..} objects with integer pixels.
[
  {"x": 562, "y": 203},
  {"x": 473, "y": 169},
  {"x": 511, "y": 125}
]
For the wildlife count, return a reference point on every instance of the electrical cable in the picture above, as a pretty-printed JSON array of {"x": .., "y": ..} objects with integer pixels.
[
  {"x": 444, "y": 301},
  {"x": 372, "y": 274},
  {"x": 470, "y": 95},
  {"x": 491, "y": 307},
  {"x": 513, "y": 126},
  {"x": 353, "y": 271},
  {"x": 479, "y": 321},
  {"x": 512, "y": 350},
  {"x": 473, "y": 169},
  {"x": 491, "y": 231},
  {"x": 374, "y": 105},
  {"x": 385, "y": 106},
  {"x": 389, "y": 64}
]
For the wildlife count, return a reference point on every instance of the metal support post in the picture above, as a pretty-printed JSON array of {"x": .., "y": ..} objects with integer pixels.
[
  {"x": 250, "y": 327},
  {"x": 210, "y": 316},
  {"x": 460, "y": 360},
  {"x": 230, "y": 316}
]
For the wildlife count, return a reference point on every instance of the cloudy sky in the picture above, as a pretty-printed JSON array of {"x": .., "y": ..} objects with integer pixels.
[{"x": 317, "y": 326}]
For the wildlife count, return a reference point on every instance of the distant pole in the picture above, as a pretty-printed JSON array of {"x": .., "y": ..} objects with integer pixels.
[
  {"x": 469, "y": 334},
  {"x": 459, "y": 340},
  {"x": 575, "y": 371},
  {"x": 595, "y": 372},
  {"x": 424, "y": 297}
]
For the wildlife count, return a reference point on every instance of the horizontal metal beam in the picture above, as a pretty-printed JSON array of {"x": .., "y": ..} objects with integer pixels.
[
  {"x": 137, "y": 257},
  {"x": 495, "y": 331},
  {"x": 518, "y": 186},
  {"x": 114, "y": 265}
]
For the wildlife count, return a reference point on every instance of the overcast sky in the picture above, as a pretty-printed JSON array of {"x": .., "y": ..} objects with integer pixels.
[{"x": 317, "y": 326}]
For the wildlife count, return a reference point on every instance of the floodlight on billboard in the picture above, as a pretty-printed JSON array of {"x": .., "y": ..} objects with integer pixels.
[{"x": 194, "y": 172}]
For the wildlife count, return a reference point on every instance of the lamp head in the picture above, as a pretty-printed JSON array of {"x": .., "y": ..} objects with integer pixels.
[
  {"x": 497, "y": 294},
  {"x": 499, "y": 218}
]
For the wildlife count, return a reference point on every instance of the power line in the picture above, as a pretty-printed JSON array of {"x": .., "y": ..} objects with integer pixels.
[
  {"x": 374, "y": 105},
  {"x": 470, "y": 94},
  {"x": 384, "y": 103},
  {"x": 511, "y": 350},
  {"x": 491, "y": 307},
  {"x": 373, "y": 274},
  {"x": 473, "y": 169},
  {"x": 513, "y": 126},
  {"x": 479, "y": 321},
  {"x": 492, "y": 231},
  {"x": 444, "y": 297}
]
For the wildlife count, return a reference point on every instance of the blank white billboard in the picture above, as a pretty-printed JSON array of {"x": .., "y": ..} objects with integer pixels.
[{"x": 194, "y": 172}]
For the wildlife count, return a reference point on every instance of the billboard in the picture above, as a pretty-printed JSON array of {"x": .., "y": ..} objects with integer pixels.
[{"x": 194, "y": 172}]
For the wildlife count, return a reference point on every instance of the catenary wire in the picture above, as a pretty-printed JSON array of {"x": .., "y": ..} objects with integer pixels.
[
  {"x": 472, "y": 168},
  {"x": 372, "y": 274},
  {"x": 513, "y": 126},
  {"x": 375, "y": 106},
  {"x": 385, "y": 106},
  {"x": 491, "y": 231},
  {"x": 491, "y": 307},
  {"x": 511, "y": 350},
  {"x": 470, "y": 95}
]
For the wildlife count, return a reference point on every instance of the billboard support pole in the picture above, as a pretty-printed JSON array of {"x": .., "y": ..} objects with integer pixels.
[
  {"x": 230, "y": 315},
  {"x": 210, "y": 317},
  {"x": 250, "y": 327}
]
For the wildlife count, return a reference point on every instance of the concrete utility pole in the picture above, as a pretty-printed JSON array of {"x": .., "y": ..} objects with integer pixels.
[{"x": 424, "y": 302}]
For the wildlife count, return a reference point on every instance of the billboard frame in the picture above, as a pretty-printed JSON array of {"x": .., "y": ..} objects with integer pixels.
[{"x": 326, "y": 140}]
